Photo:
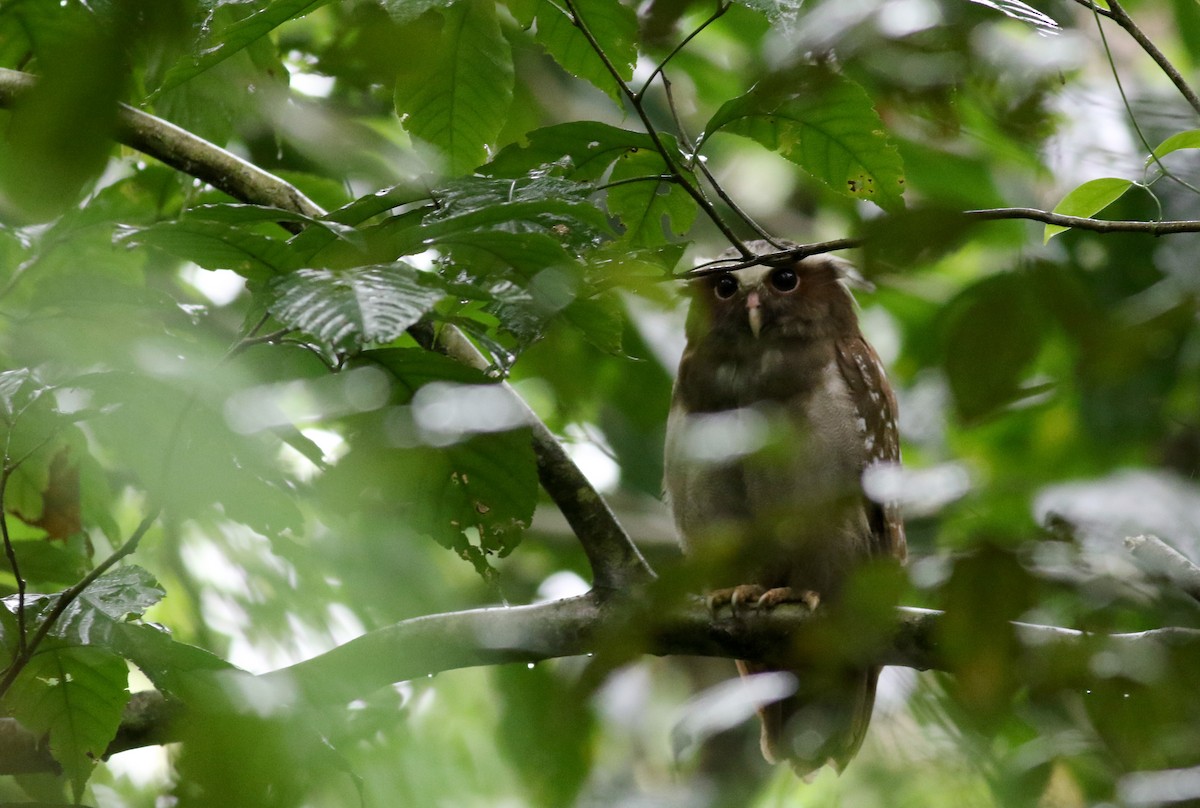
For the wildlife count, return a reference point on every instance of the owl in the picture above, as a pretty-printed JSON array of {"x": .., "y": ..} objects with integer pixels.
[{"x": 779, "y": 408}]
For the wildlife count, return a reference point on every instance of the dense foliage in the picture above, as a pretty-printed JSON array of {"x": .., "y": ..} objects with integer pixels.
[{"x": 238, "y": 431}]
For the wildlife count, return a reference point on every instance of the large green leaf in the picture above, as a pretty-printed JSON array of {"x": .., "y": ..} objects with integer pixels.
[
  {"x": 356, "y": 307},
  {"x": 408, "y": 10},
  {"x": 545, "y": 732},
  {"x": 544, "y": 204},
  {"x": 235, "y": 36},
  {"x": 998, "y": 319},
  {"x": 645, "y": 203},
  {"x": 215, "y": 245},
  {"x": 1180, "y": 140},
  {"x": 579, "y": 150},
  {"x": 1087, "y": 200},
  {"x": 76, "y": 696},
  {"x": 777, "y": 11},
  {"x": 612, "y": 24},
  {"x": 460, "y": 101},
  {"x": 826, "y": 124},
  {"x": 487, "y": 482},
  {"x": 115, "y": 597}
]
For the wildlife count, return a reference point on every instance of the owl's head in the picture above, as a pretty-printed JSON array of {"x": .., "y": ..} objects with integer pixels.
[{"x": 805, "y": 299}]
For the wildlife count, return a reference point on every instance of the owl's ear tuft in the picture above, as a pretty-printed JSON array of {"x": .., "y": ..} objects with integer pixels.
[{"x": 848, "y": 274}]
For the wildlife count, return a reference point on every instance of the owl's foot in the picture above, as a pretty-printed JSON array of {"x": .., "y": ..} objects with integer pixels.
[
  {"x": 753, "y": 596},
  {"x": 785, "y": 594}
]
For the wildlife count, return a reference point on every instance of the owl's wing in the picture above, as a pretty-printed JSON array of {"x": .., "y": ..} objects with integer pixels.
[{"x": 864, "y": 376}]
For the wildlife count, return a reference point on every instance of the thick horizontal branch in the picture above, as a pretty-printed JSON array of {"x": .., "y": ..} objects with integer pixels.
[
  {"x": 182, "y": 150},
  {"x": 433, "y": 644}
]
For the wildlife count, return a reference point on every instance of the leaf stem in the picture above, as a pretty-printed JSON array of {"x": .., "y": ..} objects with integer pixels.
[
  {"x": 722, "y": 7},
  {"x": 1117, "y": 14},
  {"x": 638, "y": 107},
  {"x": 67, "y": 597}
]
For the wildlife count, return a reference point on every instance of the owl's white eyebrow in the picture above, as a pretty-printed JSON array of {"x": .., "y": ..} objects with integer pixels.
[{"x": 750, "y": 277}]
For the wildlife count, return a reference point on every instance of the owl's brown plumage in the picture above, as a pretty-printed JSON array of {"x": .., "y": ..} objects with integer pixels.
[{"x": 779, "y": 407}]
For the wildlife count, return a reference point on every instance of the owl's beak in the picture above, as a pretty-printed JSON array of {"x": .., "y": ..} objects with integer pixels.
[{"x": 754, "y": 312}]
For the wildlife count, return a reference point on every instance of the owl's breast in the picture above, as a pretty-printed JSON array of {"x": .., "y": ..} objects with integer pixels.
[{"x": 767, "y": 453}]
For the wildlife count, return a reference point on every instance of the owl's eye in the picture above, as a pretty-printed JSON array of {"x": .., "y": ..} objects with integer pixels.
[
  {"x": 725, "y": 286},
  {"x": 784, "y": 279}
]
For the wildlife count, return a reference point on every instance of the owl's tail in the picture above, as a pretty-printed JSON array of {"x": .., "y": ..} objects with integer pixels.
[{"x": 817, "y": 726}]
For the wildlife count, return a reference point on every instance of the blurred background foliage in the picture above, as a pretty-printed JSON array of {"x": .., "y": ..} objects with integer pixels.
[{"x": 165, "y": 347}]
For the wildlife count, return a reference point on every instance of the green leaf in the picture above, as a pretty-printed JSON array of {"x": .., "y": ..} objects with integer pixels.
[
  {"x": 403, "y": 11},
  {"x": 213, "y": 245},
  {"x": 1022, "y": 12},
  {"x": 777, "y": 11},
  {"x": 826, "y": 124},
  {"x": 413, "y": 368},
  {"x": 545, "y": 732},
  {"x": 460, "y": 102},
  {"x": 998, "y": 318},
  {"x": 352, "y": 308},
  {"x": 1087, "y": 200},
  {"x": 114, "y": 598},
  {"x": 75, "y": 695},
  {"x": 242, "y": 214},
  {"x": 600, "y": 320},
  {"x": 644, "y": 206},
  {"x": 612, "y": 24},
  {"x": 92, "y": 618},
  {"x": 173, "y": 667},
  {"x": 236, "y": 36},
  {"x": 1180, "y": 140},
  {"x": 486, "y": 253},
  {"x": 579, "y": 150},
  {"x": 548, "y": 205}
]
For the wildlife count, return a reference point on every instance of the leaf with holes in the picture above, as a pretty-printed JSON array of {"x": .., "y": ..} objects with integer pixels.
[
  {"x": 75, "y": 695},
  {"x": 826, "y": 124},
  {"x": 648, "y": 206},
  {"x": 356, "y": 307}
]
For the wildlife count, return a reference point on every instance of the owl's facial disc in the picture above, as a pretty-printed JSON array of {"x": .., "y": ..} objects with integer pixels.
[{"x": 752, "y": 279}]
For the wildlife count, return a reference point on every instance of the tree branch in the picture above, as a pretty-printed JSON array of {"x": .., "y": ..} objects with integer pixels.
[
  {"x": 442, "y": 642},
  {"x": 615, "y": 561},
  {"x": 1117, "y": 14},
  {"x": 182, "y": 150},
  {"x": 1160, "y": 559},
  {"x": 1082, "y": 223}
]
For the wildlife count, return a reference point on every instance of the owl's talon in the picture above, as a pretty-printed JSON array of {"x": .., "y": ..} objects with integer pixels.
[
  {"x": 746, "y": 595},
  {"x": 771, "y": 598},
  {"x": 716, "y": 599}
]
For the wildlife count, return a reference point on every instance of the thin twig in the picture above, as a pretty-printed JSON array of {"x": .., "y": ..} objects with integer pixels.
[
  {"x": 652, "y": 131},
  {"x": 1083, "y": 223},
  {"x": 11, "y": 553},
  {"x": 615, "y": 561},
  {"x": 70, "y": 595},
  {"x": 722, "y": 7},
  {"x": 1137, "y": 128},
  {"x": 1117, "y": 14},
  {"x": 698, "y": 161},
  {"x": 188, "y": 153}
]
